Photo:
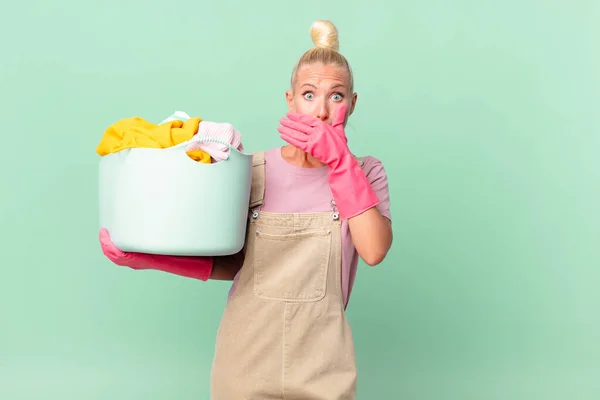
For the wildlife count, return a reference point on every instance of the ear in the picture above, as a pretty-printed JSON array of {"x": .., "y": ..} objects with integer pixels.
[
  {"x": 353, "y": 104},
  {"x": 289, "y": 97}
]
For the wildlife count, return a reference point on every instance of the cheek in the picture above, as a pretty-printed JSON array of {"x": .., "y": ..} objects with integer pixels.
[{"x": 301, "y": 106}]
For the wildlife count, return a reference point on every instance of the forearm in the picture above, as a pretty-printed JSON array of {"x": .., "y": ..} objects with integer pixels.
[
  {"x": 190, "y": 267},
  {"x": 372, "y": 235},
  {"x": 202, "y": 268},
  {"x": 357, "y": 202}
]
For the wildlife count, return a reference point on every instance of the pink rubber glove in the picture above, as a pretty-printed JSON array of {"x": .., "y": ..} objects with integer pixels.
[
  {"x": 351, "y": 189},
  {"x": 189, "y": 267}
]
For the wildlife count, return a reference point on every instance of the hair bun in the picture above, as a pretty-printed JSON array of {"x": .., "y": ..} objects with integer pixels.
[{"x": 324, "y": 34}]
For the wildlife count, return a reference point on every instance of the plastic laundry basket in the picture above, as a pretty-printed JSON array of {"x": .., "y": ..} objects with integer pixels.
[{"x": 160, "y": 201}]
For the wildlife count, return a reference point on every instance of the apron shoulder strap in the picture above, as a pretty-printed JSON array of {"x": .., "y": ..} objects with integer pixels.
[{"x": 257, "y": 191}]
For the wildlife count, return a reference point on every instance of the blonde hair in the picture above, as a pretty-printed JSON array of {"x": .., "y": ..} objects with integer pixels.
[{"x": 326, "y": 50}]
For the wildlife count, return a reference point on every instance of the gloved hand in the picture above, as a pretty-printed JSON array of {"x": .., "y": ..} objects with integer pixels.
[
  {"x": 351, "y": 189},
  {"x": 189, "y": 267}
]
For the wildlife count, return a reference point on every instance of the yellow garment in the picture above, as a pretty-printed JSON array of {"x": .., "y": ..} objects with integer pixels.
[
  {"x": 136, "y": 132},
  {"x": 200, "y": 156}
]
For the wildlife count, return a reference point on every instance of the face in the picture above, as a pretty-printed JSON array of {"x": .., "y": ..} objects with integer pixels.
[{"x": 320, "y": 90}]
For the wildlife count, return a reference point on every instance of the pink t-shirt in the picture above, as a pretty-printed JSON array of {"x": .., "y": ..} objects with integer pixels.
[{"x": 292, "y": 189}]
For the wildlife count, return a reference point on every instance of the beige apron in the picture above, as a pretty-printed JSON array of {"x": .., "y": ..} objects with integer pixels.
[{"x": 284, "y": 332}]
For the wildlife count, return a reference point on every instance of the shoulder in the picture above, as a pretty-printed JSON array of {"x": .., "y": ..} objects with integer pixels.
[
  {"x": 372, "y": 166},
  {"x": 377, "y": 177},
  {"x": 261, "y": 155},
  {"x": 369, "y": 160}
]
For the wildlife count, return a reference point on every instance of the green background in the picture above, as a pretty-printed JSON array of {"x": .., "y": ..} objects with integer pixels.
[{"x": 485, "y": 114}]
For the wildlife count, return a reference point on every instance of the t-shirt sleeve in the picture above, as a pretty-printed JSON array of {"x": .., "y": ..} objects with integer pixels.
[{"x": 377, "y": 176}]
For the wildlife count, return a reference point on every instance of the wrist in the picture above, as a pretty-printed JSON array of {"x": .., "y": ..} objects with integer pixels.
[{"x": 341, "y": 158}]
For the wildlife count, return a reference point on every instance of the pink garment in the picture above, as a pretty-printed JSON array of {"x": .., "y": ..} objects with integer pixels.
[
  {"x": 222, "y": 131},
  {"x": 291, "y": 189}
]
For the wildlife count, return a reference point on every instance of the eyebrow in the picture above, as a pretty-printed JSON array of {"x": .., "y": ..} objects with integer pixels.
[{"x": 332, "y": 86}]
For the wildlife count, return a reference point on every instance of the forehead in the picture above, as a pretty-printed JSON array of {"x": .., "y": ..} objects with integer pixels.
[{"x": 319, "y": 74}]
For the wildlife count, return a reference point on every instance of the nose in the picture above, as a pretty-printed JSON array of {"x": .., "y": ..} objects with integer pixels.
[{"x": 323, "y": 111}]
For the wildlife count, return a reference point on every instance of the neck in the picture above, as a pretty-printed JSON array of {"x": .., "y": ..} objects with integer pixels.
[{"x": 299, "y": 158}]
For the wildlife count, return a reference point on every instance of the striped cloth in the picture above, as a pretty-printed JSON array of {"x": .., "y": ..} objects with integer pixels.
[{"x": 224, "y": 132}]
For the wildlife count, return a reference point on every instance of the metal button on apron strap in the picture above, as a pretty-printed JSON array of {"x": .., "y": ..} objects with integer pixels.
[{"x": 335, "y": 215}]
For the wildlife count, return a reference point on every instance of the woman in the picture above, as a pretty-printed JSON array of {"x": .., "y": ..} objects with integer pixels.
[{"x": 315, "y": 208}]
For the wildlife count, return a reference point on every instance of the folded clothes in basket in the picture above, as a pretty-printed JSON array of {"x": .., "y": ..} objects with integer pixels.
[{"x": 136, "y": 132}]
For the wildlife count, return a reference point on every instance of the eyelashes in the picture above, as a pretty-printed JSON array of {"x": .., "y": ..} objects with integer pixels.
[{"x": 309, "y": 95}]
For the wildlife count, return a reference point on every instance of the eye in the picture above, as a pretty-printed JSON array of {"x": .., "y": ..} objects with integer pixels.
[
  {"x": 308, "y": 96},
  {"x": 337, "y": 97}
]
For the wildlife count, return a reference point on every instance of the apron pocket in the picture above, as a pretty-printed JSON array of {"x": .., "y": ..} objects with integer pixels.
[{"x": 291, "y": 268}]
